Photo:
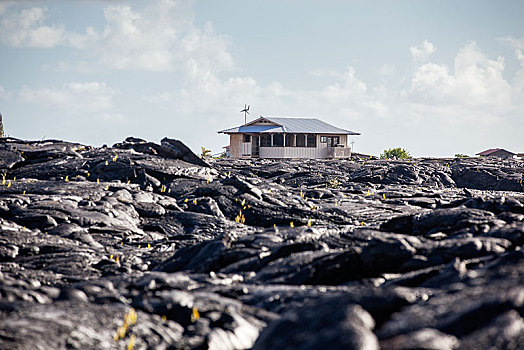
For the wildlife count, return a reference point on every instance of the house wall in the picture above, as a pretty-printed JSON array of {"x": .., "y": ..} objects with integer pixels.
[
  {"x": 241, "y": 149},
  {"x": 235, "y": 143},
  {"x": 320, "y": 144},
  {"x": 343, "y": 140},
  {"x": 319, "y": 152},
  {"x": 501, "y": 154}
]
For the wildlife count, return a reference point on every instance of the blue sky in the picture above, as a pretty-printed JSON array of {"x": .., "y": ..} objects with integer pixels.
[{"x": 434, "y": 77}]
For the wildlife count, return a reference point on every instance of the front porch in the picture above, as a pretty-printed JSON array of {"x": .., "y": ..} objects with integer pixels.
[{"x": 294, "y": 152}]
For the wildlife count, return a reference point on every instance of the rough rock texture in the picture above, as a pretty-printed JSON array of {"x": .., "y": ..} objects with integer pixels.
[{"x": 145, "y": 246}]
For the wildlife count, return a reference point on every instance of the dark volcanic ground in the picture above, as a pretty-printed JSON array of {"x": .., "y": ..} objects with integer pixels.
[{"x": 146, "y": 246}]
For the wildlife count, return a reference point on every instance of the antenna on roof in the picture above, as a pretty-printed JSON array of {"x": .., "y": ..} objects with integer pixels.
[{"x": 246, "y": 112}]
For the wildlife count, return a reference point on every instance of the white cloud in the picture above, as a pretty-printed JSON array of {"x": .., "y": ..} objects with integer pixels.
[
  {"x": 477, "y": 82},
  {"x": 517, "y": 43},
  {"x": 432, "y": 83},
  {"x": 422, "y": 52},
  {"x": 77, "y": 66},
  {"x": 519, "y": 76},
  {"x": 520, "y": 57},
  {"x": 468, "y": 98},
  {"x": 205, "y": 92},
  {"x": 323, "y": 73},
  {"x": 131, "y": 40},
  {"x": 351, "y": 86},
  {"x": 479, "y": 79},
  {"x": 437, "y": 99},
  {"x": 387, "y": 70},
  {"x": 5, "y": 94},
  {"x": 73, "y": 98},
  {"x": 27, "y": 29},
  {"x": 475, "y": 87},
  {"x": 5, "y": 4},
  {"x": 161, "y": 37}
]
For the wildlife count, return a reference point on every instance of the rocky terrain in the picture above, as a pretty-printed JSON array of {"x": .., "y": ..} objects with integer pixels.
[{"x": 145, "y": 246}]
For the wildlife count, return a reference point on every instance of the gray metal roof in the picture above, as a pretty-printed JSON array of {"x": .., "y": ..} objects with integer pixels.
[{"x": 289, "y": 125}]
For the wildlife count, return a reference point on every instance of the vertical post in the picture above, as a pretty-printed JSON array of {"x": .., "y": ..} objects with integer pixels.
[{"x": 1, "y": 127}]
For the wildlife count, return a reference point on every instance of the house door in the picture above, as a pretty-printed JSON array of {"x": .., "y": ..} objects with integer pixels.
[{"x": 254, "y": 146}]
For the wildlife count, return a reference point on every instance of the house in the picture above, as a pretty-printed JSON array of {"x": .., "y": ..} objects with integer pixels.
[
  {"x": 269, "y": 137},
  {"x": 497, "y": 153},
  {"x": 227, "y": 151}
]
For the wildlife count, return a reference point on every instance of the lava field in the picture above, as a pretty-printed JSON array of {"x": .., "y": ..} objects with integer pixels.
[{"x": 146, "y": 246}]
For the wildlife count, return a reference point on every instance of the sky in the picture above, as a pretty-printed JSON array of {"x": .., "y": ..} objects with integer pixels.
[{"x": 434, "y": 77}]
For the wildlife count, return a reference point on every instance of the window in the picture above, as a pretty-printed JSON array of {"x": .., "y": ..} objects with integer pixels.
[
  {"x": 290, "y": 140},
  {"x": 332, "y": 141},
  {"x": 301, "y": 140},
  {"x": 265, "y": 140},
  {"x": 247, "y": 138},
  {"x": 278, "y": 140},
  {"x": 311, "y": 140},
  {"x": 323, "y": 139}
]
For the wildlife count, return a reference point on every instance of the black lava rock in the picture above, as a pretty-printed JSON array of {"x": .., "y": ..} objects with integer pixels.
[{"x": 144, "y": 245}]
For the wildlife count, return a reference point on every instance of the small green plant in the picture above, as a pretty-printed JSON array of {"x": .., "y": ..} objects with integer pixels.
[
  {"x": 395, "y": 153},
  {"x": 220, "y": 156},
  {"x": 333, "y": 183},
  {"x": 240, "y": 218},
  {"x": 2, "y": 134},
  {"x": 205, "y": 152},
  {"x": 460, "y": 155}
]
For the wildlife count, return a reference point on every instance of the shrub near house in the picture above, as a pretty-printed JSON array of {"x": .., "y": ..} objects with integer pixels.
[{"x": 395, "y": 153}]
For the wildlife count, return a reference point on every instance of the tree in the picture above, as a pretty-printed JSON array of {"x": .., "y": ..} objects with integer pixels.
[
  {"x": 2, "y": 134},
  {"x": 460, "y": 155},
  {"x": 205, "y": 152},
  {"x": 395, "y": 153}
]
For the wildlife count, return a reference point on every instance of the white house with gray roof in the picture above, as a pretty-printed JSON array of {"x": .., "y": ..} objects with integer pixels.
[{"x": 268, "y": 137}]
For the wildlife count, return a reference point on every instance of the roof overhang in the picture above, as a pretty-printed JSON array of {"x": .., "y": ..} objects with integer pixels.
[
  {"x": 268, "y": 125},
  {"x": 253, "y": 129}
]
